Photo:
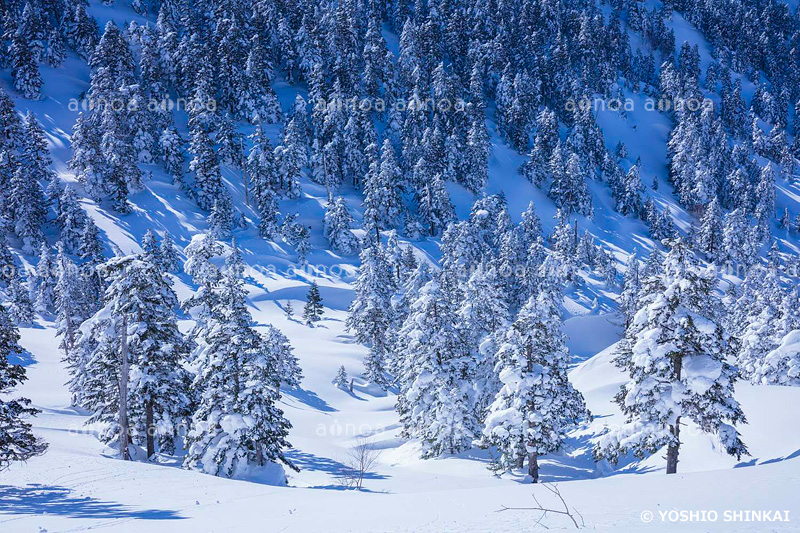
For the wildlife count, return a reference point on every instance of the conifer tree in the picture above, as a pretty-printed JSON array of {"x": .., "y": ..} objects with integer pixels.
[
  {"x": 150, "y": 248},
  {"x": 20, "y": 306},
  {"x": 56, "y": 49},
  {"x": 536, "y": 405},
  {"x": 569, "y": 189},
  {"x": 383, "y": 205},
  {"x": 220, "y": 220},
  {"x": 434, "y": 400},
  {"x": 280, "y": 349},
  {"x": 337, "y": 227},
  {"x": 171, "y": 145},
  {"x": 71, "y": 219},
  {"x": 130, "y": 353},
  {"x": 629, "y": 201},
  {"x": 27, "y": 208},
  {"x": 341, "y": 380},
  {"x": 434, "y": 206},
  {"x": 45, "y": 280},
  {"x": 631, "y": 286},
  {"x": 91, "y": 247},
  {"x": 69, "y": 302},
  {"x": 711, "y": 233},
  {"x": 765, "y": 195},
  {"x": 204, "y": 164},
  {"x": 370, "y": 314},
  {"x": 737, "y": 238},
  {"x": 312, "y": 312},
  {"x": 17, "y": 441},
  {"x": 170, "y": 262},
  {"x": 669, "y": 350},
  {"x": 24, "y": 69},
  {"x": 34, "y": 154},
  {"x": 237, "y": 422}
]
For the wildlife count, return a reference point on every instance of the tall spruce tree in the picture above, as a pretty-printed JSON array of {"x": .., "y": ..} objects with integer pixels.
[
  {"x": 17, "y": 441},
  {"x": 312, "y": 312},
  {"x": 370, "y": 314},
  {"x": 675, "y": 353},
  {"x": 536, "y": 404},
  {"x": 237, "y": 422}
]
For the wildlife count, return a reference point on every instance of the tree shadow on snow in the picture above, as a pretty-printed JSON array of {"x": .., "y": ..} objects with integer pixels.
[
  {"x": 315, "y": 463},
  {"x": 309, "y": 398},
  {"x": 43, "y": 499},
  {"x": 25, "y": 358},
  {"x": 754, "y": 461}
]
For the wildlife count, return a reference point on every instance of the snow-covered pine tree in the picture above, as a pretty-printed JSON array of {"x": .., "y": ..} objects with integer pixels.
[
  {"x": 237, "y": 423},
  {"x": 70, "y": 301},
  {"x": 20, "y": 306},
  {"x": 220, "y": 220},
  {"x": 34, "y": 153},
  {"x": 312, "y": 311},
  {"x": 17, "y": 441},
  {"x": 781, "y": 366},
  {"x": 383, "y": 189},
  {"x": 738, "y": 244},
  {"x": 337, "y": 227},
  {"x": 544, "y": 142},
  {"x": 27, "y": 209},
  {"x": 483, "y": 310},
  {"x": 536, "y": 404},
  {"x": 569, "y": 190},
  {"x": 71, "y": 219},
  {"x": 675, "y": 353},
  {"x": 765, "y": 195},
  {"x": 171, "y": 145},
  {"x": 434, "y": 400},
  {"x": 24, "y": 69},
  {"x": 120, "y": 170},
  {"x": 281, "y": 350},
  {"x": 204, "y": 164},
  {"x": 434, "y": 206},
  {"x": 151, "y": 250},
  {"x": 341, "y": 379},
  {"x": 631, "y": 286},
  {"x": 45, "y": 280},
  {"x": 710, "y": 237},
  {"x": 629, "y": 199},
  {"x": 127, "y": 364},
  {"x": 370, "y": 315},
  {"x": 170, "y": 262},
  {"x": 91, "y": 247}
]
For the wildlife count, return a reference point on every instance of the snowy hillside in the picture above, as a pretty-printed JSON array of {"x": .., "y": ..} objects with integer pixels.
[{"x": 341, "y": 319}]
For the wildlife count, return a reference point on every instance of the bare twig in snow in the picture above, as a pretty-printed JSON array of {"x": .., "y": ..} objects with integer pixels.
[
  {"x": 358, "y": 463},
  {"x": 539, "y": 507}
]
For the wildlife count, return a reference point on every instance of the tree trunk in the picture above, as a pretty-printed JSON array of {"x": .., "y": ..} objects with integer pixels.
[
  {"x": 259, "y": 454},
  {"x": 672, "y": 449},
  {"x": 520, "y": 461},
  {"x": 151, "y": 429},
  {"x": 576, "y": 234},
  {"x": 124, "y": 428},
  {"x": 533, "y": 467}
]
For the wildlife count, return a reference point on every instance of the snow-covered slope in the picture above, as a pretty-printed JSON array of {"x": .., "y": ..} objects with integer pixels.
[{"x": 78, "y": 484}]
